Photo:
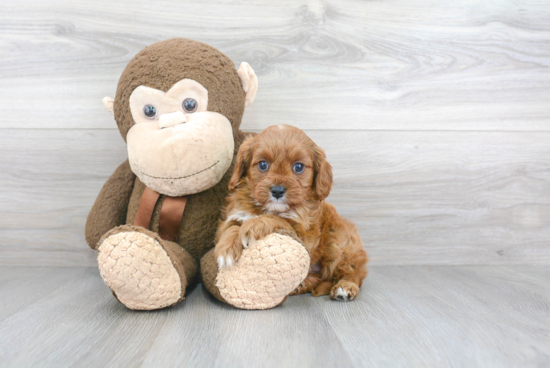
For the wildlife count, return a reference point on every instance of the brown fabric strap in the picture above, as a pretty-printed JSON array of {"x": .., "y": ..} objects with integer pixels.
[
  {"x": 146, "y": 207},
  {"x": 171, "y": 214}
]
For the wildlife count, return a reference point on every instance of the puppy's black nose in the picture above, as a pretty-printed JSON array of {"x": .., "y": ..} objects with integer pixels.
[{"x": 278, "y": 191}]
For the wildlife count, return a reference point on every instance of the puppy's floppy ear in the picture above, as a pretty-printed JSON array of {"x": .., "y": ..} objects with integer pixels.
[
  {"x": 322, "y": 180},
  {"x": 244, "y": 156}
]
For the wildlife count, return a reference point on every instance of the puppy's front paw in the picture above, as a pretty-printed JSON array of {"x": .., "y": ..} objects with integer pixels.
[
  {"x": 247, "y": 239},
  {"x": 344, "y": 291},
  {"x": 255, "y": 229},
  {"x": 225, "y": 261},
  {"x": 227, "y": 253}
]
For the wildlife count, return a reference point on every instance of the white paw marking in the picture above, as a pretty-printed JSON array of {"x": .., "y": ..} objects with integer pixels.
[
  {"x": 341, "y": 294},
  {"x": 226, "y": 261}
]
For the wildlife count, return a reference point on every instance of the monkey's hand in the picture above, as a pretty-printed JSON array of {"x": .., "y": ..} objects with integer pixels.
[
  {"x": 228, "y": 248},
  {"x": 259, "y": 227}
]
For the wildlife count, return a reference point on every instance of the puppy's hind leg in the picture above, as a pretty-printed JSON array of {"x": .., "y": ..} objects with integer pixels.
[
  {"x": 322, "y": 289},
  {"x": 349, "y": 275},
  {"x": 344, "y": 291},
  {"x": 308, "y": 285}
]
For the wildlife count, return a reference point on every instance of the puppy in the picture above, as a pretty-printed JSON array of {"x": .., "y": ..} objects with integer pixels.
[{"x": 279, "y": 185}]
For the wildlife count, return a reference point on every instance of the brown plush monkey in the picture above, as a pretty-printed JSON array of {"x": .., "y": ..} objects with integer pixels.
[{"x": 178, "y": 106}]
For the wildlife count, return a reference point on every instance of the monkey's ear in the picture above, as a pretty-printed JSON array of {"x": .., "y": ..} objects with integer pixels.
[
  {"x": 322, "y": 182},
  {"x": 249, "y": 81},
  {"x": 109, "y": 104},
  {"x": 243, "y": 162}
]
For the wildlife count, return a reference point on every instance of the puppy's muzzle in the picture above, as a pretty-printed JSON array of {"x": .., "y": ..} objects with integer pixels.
[{"x": 278, "y": 191}]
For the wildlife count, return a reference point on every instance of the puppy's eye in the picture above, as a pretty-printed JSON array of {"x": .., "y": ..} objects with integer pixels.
[
  {"x": 190, "y": 105},
  {"x": 150, "y": 111},
  {"x": 298, "y": 167},
  {"x": 263, "y": 165}
]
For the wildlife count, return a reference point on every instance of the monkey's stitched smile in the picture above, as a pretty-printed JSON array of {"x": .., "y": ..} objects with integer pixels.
[{"x": 183, "y": 177}]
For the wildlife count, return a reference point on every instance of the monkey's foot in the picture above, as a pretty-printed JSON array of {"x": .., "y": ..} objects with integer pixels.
[
  {"x": 265, "y": 274},
  {"x": 137, "y": 267}
]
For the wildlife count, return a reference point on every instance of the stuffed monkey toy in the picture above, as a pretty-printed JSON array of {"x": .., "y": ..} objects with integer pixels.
[{"x": 178, "y": 107}]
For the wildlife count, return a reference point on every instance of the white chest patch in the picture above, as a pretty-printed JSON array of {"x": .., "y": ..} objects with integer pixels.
[{"x": 240, "y": 216}]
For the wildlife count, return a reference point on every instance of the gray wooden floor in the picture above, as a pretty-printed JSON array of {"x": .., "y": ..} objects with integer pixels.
[{"x": 446, "y": 316}]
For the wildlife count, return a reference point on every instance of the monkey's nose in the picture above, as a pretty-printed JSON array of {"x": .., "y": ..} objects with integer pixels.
[
  {"x": 278, "y": 191},
  {"x": 171, "y": 119}
]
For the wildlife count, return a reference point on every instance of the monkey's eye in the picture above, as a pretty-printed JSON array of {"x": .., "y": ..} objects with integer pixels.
[
  {"x": 263, "y": 165},
  {"x": 190, "y": 105},
  {"x": 150, "y": 111},
  {"x": 298, "y": 167}
]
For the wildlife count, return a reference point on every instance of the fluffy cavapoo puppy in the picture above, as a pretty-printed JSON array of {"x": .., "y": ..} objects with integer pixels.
[{"x": 279, "y": 185}]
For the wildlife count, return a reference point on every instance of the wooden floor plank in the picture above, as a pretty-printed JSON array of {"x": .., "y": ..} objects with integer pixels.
[
  {"x": 206, "y": 332},
  {"x": 21, "y": 286},
  {"x": 447, "y": 316},
  {"x": 416, "y": 197},
  {"x": 79, "y": 324},
  {"x": 455, "y": 316},
  {"x": 336, "y": 64}
]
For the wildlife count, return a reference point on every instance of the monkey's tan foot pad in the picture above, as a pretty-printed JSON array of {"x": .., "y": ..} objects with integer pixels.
[
  {"x": 267, "y": 271},
  {"x": 139, "y": 271}
]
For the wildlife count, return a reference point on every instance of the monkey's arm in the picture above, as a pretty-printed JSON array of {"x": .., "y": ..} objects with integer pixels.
[{"x": 111, "y": 205}]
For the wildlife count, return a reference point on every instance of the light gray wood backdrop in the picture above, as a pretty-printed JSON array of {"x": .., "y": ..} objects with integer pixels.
[{"x": 434, "y": 114}]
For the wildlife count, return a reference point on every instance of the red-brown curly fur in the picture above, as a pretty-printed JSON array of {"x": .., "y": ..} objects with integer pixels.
[{"x": 337, "y": 256}]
